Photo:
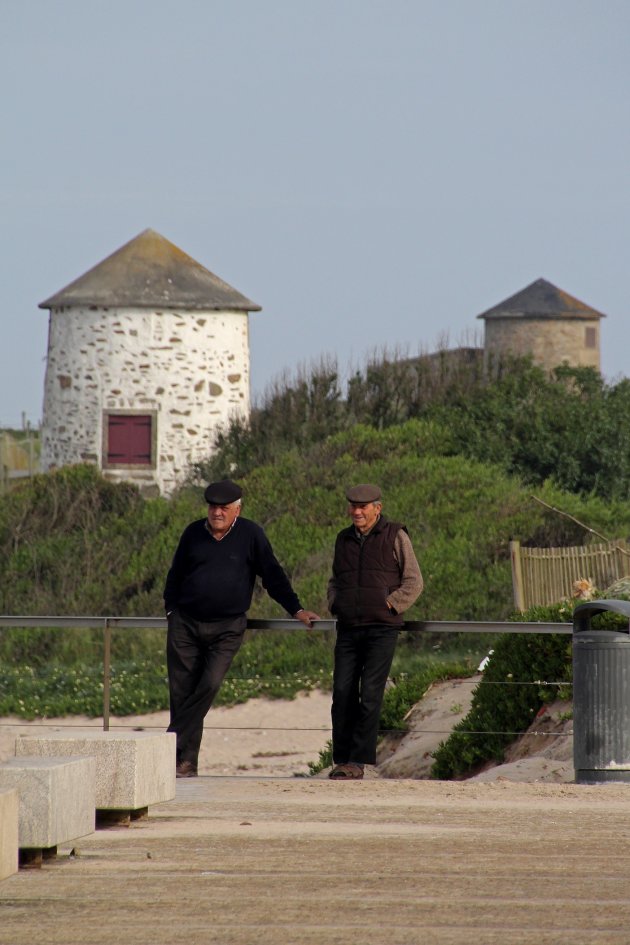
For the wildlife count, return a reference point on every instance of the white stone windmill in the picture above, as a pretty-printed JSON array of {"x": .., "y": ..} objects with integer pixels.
[{"x": 148, "y": 355}]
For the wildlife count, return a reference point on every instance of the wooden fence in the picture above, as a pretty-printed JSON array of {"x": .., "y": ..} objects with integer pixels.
[{"x": 545, "y": 575}]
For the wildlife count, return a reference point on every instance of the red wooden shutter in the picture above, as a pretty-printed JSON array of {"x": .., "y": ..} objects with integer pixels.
[{"x": 129, "y": 439}]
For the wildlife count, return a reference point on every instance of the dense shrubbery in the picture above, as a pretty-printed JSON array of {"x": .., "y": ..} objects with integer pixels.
[
  {"x": 110, "y": 555},
  {"x": 516, "y": 684},
  {"x": 522, "y": 675},
  {"x": 571, "y": 427},
  {"x": 456, "y": 447},
  {"x": 452, "y": 443},
  {"x": 71, "y": 543}
]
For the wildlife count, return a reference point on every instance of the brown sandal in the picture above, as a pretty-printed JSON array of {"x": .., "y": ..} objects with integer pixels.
[{"x": 349, "y": 772}]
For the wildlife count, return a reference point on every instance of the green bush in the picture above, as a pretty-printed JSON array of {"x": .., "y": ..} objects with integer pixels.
[
  {"x": 570, "y": 427},
  {"x": 524, "y": 672},
  {"x": 106, "y": 551}
]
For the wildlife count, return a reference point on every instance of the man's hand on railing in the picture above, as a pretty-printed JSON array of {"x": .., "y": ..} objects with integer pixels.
[{"x": 307, "y": 617}]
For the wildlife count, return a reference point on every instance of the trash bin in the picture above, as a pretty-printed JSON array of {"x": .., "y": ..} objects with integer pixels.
[{"x": 601, "y": 696}]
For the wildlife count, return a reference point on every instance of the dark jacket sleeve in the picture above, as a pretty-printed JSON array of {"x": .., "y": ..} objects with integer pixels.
[
  {"x": 274, "y": 579},
  {"x": 174, "y": 576}
]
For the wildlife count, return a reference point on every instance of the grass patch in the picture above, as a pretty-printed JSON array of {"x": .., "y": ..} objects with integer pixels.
[
  {"x": 55, "y": 691},
  {"x": 274, "y": 665}
]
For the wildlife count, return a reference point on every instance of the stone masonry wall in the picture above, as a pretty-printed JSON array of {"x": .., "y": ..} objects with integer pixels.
[
  {"x": 190, "y": 369},
  {"x": 550, "y": 341}
]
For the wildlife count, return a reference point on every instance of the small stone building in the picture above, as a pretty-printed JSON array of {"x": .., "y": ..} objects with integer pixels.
[
  {"x": 546, "y": 323},
  {"x": 148, "y": 355}
]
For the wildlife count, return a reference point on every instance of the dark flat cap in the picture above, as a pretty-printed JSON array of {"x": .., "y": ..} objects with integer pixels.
[
  {"x": 363, "y": 493},
  {"x": 222, "y": 493}
]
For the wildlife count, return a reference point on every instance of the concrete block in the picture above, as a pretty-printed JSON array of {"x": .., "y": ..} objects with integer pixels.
[
  {"x": 133, "y": 769},
  {"x": 9, "y": 814},
  {"x": 56, "y": 798}
]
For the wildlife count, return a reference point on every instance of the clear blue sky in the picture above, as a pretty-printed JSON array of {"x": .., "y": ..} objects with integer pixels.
[{"x": 374, "y": 174}]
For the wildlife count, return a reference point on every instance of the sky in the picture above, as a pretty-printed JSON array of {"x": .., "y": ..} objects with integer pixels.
[{"x": 373, "y": 173}]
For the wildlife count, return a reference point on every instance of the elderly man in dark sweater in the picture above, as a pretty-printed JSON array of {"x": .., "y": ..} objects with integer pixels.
[
  {"x": 208, "y": 591},
  {"x": 375, "y": 577}
]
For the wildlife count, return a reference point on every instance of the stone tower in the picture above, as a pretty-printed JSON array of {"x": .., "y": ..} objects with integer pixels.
[
  {"x": 148, "y": 354},
  {"x": 546, "y": 323}
]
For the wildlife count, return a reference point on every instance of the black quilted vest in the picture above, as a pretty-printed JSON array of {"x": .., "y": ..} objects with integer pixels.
[{"x": 365, "y": 573}]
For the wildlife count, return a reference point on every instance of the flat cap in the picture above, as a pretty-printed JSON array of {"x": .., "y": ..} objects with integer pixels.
[
  {"x": 222, "y": 493},
  {"x": 366, "y": 492}
]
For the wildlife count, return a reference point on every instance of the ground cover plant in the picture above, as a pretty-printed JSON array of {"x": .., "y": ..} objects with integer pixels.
[{"x": 270, "y": 664}]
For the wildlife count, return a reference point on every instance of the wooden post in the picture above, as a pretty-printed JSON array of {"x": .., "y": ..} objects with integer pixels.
[
  {"x": 517, "y": 575},
  {"x": 107, "y": 653}
]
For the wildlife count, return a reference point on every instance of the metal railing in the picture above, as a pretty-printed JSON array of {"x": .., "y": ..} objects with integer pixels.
[{"x": 109, "y": 624}]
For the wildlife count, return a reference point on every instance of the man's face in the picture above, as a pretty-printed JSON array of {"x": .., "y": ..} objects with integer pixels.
[
  {"x": 364, "y": 514},
  {"x": 221, "y": 517}
]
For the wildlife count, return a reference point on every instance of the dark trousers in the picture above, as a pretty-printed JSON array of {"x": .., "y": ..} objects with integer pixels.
[
  {"x": 198, "y": 655},
  {"x": 363, "y": 659}
]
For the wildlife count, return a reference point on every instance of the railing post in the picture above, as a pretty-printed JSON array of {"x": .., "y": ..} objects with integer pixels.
[
  {"x": 107, "y": 653},
  {"x": 517, "y": 575}
]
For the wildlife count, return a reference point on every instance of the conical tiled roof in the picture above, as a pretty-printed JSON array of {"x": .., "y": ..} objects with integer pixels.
[
  {"x": 541, "y": 299},
  {"x": 151, "y": 272}
]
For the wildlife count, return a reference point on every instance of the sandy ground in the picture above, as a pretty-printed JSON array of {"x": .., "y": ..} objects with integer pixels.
[
  {"x": 249, "y": 854},
  {"x": 275, "y": 738},
  {"x": 260, "y": 861},
  {"x": 279, "y": 738}
]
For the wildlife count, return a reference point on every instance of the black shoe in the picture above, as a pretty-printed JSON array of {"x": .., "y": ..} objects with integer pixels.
[{"x": 186, "y": 769}]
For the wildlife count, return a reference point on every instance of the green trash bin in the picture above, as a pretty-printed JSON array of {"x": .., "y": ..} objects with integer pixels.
[{"x": 601, "y": 696}]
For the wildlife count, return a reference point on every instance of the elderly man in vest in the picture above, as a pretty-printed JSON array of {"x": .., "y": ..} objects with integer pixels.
[{"x": 375, "y": 578}]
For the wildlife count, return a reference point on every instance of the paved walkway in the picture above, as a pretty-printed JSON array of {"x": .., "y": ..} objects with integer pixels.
[{"x": 240, "y": 861}]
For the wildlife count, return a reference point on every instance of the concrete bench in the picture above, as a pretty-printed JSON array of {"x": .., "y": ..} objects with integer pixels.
[
  {"x": 9, "y": 813},
  {"x": 56, "y": 802},
  {"x": 133, "y": 769}
]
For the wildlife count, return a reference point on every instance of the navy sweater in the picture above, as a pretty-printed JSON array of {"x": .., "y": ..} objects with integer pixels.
[{"x": 210, "y": 579}]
